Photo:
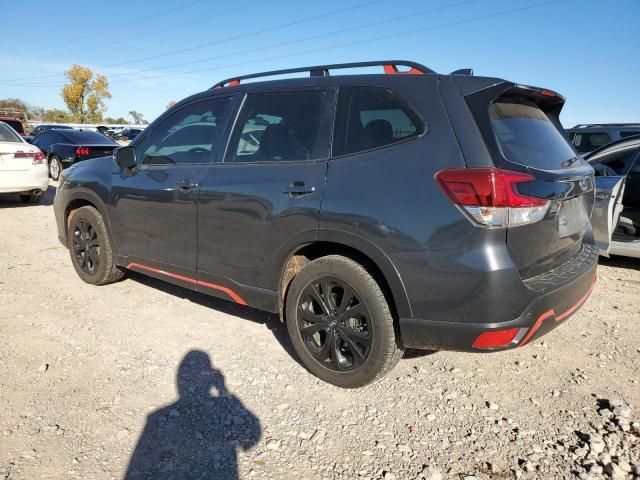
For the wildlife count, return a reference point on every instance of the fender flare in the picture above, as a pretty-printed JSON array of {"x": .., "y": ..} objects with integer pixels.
[
  {"x": 366, "y": 248},
  {"x": 94, "y": 199}
]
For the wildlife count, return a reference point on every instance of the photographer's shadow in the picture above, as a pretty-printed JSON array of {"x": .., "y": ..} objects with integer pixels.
[{"x": 197, "y": 436}]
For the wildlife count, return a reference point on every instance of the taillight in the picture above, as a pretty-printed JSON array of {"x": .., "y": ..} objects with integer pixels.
[
  {"x": 37, "y": 158},
  {"x": 82, "y": 151},
  {"x": 490, "y": 196}
]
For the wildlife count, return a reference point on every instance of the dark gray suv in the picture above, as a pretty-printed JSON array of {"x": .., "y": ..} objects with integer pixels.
[{"x": 374, "y": 212}]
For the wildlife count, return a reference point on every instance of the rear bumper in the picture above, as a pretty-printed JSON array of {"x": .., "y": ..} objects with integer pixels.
[
  {"x": 556, "y": 296},
  {"x": 36, "y": 178}
]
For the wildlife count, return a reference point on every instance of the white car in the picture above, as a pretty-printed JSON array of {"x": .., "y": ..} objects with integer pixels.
[{"x": 23, "y": 167}]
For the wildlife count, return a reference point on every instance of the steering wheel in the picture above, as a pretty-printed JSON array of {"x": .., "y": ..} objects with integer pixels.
[{"x": 607, "y": 171}]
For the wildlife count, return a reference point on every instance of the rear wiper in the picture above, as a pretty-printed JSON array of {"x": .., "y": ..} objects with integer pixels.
[{"x": 571, "y": 161}]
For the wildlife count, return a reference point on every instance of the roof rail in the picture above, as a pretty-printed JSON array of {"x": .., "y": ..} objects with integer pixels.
[
  {"x": 586, "y": 125},
  {"x": 390, "y": 67}
]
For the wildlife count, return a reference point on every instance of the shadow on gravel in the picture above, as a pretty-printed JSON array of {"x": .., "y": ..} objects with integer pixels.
[
  {"x": 621, "y": 262},
  {"x": 269, "y": 320},
  {"x": 13, "y": 201},
  {"x": 413, "y": 353},
  {"x": 198, "y": 436}
]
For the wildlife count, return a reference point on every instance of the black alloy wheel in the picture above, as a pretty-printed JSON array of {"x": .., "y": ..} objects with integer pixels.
[
  {"x": 90, "y": 247},
  {"x": 334, "y": 324},
  {"x": 86, "y": 247},
  {"x": 339, "y": 322}
]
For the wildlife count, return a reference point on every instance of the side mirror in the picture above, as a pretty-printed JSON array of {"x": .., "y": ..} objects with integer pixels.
[{"x": 125, "y": 157}]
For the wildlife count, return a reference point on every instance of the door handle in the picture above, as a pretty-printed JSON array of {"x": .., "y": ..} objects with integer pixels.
[
  {"x": 187, "y": 185},
  {"x": 297, "y": 189}
]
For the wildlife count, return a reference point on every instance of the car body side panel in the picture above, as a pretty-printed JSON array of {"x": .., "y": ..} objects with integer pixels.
[
  {"x": 244, "y": 217},
  {"x": 389, "y": 194}
]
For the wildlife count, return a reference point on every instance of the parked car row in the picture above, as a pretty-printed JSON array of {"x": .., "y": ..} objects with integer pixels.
[{"x": 64, "y": 147}]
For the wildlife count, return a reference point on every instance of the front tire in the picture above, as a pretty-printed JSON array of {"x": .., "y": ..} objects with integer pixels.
[
  {"x": 55, "y": 167},
  {"x": 90, "y": 247},
  {"x": 340, "y": 324}
]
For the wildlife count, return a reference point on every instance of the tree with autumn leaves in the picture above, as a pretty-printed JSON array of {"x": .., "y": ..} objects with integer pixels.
[{"x": 85, "y": 94}]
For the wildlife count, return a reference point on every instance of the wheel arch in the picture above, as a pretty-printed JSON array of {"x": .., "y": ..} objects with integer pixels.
[
  {"x": 357, "y": 249},
  {"x": 88, "y": 198}
]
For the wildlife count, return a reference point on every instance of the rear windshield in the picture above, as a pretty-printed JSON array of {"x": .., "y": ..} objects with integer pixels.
[
  {"x": 527, "y": 136},
  {"x": 8, "y": 135},
  {"x": 16, "y": 125},
  {"x": 84, "y": 136}
]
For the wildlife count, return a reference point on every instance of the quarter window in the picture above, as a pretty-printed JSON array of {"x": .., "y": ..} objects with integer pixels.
[
  {"x": 372, "y": 117},
  {"x": 282, "y": 127},
  {"x": 189, "y": 135}
]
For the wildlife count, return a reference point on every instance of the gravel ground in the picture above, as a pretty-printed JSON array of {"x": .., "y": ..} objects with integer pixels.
[{"x": 111, "y": 382}]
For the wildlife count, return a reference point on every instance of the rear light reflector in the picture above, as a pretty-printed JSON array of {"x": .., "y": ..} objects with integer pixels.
[
  {"x": 82, "y": 151},
  {"x": 497, "y": 338},
  {"x": 489, "y": 196},
  {"x": 37, "y": 158}
]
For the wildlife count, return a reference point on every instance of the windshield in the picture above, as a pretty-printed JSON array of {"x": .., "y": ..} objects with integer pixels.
[
  {"x": 527, "y": 136},
  {"x": 8, "y": 135}
]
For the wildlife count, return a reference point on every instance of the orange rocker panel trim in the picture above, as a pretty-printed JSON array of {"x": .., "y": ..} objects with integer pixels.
[{"x": 233, "y": 295}]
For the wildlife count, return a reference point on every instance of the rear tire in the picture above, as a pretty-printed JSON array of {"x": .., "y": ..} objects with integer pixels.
[
  {"x": 55, "y": 167},
  {"x": 90, "y": 247},
  {"x": 31, "y": 198},
  {"x": 340, "y": 324}
]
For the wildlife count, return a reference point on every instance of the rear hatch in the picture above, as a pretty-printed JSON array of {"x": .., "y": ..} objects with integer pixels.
[{"x": 521, "y": 129}]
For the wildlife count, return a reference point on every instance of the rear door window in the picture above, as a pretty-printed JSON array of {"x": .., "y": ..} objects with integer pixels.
[
  {"x": 372, "y": 117},
  {"x": 282, "y": 127},
  {"x": 527, "y": 136},
  {"x": 585, "y": 142}
]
